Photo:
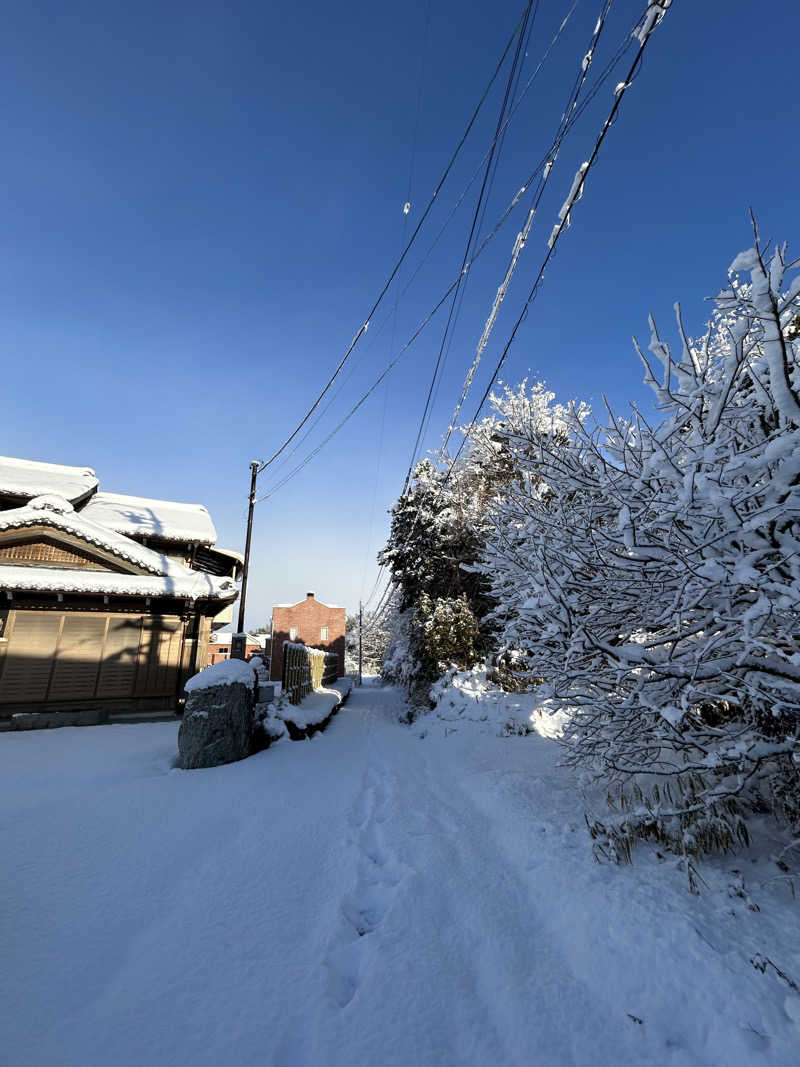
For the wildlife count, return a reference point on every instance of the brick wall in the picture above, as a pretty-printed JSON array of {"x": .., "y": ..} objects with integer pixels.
[
  {"x": 218, "y": 651},
  {"x": 307, "y": 618}
]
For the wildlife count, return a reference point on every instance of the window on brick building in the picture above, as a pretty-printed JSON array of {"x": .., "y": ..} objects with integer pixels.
[
  {"x": 323, "y": 633},
  {"x": 293, "y": 634}
]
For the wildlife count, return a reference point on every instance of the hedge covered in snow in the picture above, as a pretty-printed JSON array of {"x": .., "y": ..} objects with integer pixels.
[{"x": 641, "y": 575}]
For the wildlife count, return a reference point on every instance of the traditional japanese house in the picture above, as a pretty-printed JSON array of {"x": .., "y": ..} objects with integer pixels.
[{"x": 106, "y": 601}]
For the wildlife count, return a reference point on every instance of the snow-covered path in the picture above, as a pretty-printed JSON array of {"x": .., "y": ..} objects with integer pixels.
[{"x": 368, "y": 897}]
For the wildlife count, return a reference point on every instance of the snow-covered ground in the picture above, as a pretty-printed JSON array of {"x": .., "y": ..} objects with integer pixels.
[{"x": 382, "y": 894}]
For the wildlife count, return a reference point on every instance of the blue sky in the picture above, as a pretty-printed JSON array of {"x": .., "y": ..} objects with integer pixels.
[{"x": 201, "y": 201}]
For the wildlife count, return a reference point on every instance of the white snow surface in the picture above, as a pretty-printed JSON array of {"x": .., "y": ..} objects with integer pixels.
[
  {"x": 180, "y": 583},
  {"x": 139, "y": 516},
  {"x": 221, "y": 638},
  {"x": 30, "y": 478},
  {"x": 372, "y": 896},
  {"x": 58, "y": 513},
  {"x": 317, "y": 705},
  {"x": 467, "y": 697},
  {"x": 226, "y": 672}
]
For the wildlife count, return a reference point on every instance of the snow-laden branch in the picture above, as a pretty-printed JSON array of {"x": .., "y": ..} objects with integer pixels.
[{"x": 651, "y": 573}]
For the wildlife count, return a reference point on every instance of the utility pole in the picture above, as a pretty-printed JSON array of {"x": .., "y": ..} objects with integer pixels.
[
  {"x": 239, "y": 639},
  {"x": 360, "y": 624}
]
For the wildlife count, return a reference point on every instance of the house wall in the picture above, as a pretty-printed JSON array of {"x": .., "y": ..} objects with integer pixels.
[
  {"x": 44, "y": 553},
  {"x": 308, "y": 617},
  {"x": 91, "y": 665}
]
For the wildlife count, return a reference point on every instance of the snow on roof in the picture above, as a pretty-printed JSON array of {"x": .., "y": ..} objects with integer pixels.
[
  {"x": 139, "y": 516},
  {"x": 225, "y": 639},
  {"x": 226, "y": 672},
  {"x": 190, "y": 585},
  {"x": 30, "y": 478},
  {"x": 297, "y": 604},
  {"x": 58, "y": 513}
]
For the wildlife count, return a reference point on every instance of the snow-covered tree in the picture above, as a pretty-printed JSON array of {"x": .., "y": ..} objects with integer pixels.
[
  {"x": 448, "y": 633},
  {"x": 651, "y": 574},
  {"x": 435, "y": 538},
  {"x": 374, "y": 634},
  {"x": 432, "y": 534}
]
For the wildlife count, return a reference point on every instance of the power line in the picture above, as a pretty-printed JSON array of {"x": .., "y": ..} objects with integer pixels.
[
  {"x": 406, "y": 210},
  {"x": 651, "y": 19},
  {"x": 365, "y": 396},
  {"x": 522, "y": 237},
  {"x": 374, "y": 590},
  {"x": 481, "y": 248},
  {"x": 625, "y": 45},
  {"x": 507, "y": 123},
  {"x": 487, "y": 198},
  {"x": 643, "y": 30},
  {"x": 362, "y": 330},
  {"x": 475, "y": 217}
]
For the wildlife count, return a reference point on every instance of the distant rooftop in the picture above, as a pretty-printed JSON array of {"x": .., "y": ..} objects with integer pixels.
[
  {"x": 29, "y": 478},
  {"x": 252, "y": 639},
  {"x": 138, "y": 516},
  {"x": 297, "y": 603}
]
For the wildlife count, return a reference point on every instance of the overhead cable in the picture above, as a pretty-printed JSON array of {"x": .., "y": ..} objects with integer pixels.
[
  {"x": 522, "y": 237},
  {"x": 376, "y": 332},
  {"x": 431, "y": 315},
  {"x": 476, "y": 215},
  {"x": 363, "y": 329},
  {"x": 650, "y": 20}
]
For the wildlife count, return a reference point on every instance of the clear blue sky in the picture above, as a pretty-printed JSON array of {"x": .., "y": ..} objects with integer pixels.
[{"x": 200, "y": 202}]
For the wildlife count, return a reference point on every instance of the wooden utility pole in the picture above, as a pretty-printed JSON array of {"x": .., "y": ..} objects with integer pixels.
[
  {"x": 239, "y": 639},
  {"x": 360, "y": 624}
]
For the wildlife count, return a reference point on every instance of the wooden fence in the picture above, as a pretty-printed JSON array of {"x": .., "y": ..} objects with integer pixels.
[{"x": 306, "y": 669}]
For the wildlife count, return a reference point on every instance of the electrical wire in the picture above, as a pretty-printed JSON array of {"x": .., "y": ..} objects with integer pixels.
[
  {"x": 406, "y": 212},
  {"x": 522, "y": 237},
  {"x": 481, "y": 248},
  {"x": 362, "y": 330},
  {"x": 651, "y": 19},
  {"x": 476, "y": 215},
  {"x": 644, "y": 28},
  {"x": 486, "y": 198},
  {"x": 376, "y": 333}
]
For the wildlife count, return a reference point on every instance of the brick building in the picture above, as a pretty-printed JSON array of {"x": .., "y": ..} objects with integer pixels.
[
  {"x": 313, "y": 623},
  {"x": 219, "y": 647}
]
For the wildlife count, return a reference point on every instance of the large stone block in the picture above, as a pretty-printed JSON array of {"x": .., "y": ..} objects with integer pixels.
[{"x": 216, "y": 726}]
